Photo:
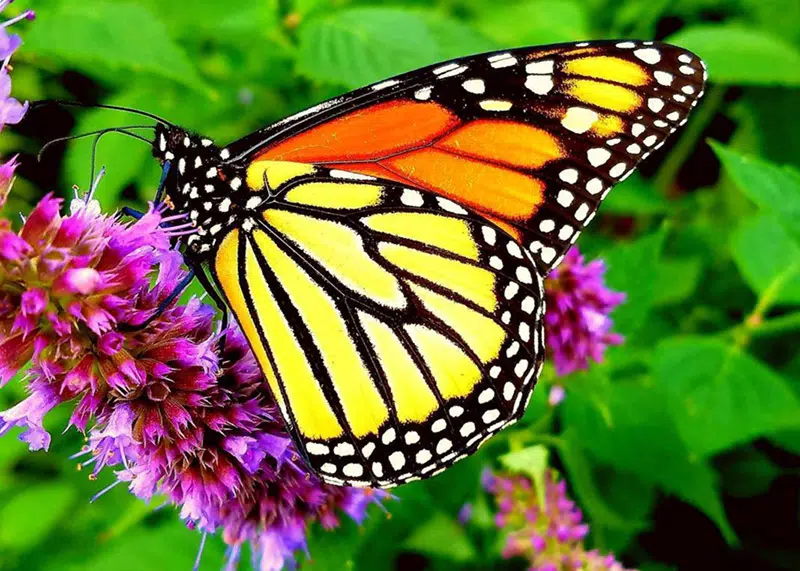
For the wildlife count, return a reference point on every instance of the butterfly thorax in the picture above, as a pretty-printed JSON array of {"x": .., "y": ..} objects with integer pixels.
[{"x": 200, "y": 185}]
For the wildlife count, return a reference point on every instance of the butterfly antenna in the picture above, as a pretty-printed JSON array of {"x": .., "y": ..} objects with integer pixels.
[
  {"x": 101, "y": 106},
  {"x": 99, "y": 135},
  {"x": 99, "y": 132}
]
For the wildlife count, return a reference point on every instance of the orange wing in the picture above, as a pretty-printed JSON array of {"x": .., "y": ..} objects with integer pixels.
[{"x": 531, "y": 138}]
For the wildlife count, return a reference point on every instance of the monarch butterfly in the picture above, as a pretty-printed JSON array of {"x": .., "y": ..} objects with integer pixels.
[{"x": 384, "y": 251}]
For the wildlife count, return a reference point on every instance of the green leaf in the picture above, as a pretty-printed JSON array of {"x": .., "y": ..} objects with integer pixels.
[
  {"x": 631, "y": 497},
  {"x": 637, "y": 196},
  {"x": 460, "y": 482},
  {"x": 738, "y": 55},
  {"x": 216, "y": 19},
  {"x": 678, "y": 279},
  {"x": 535, "y": 22},
  {"x": 35, "y": 512},
  {"x": 773, "y": 188},
  {"x": 11, "y": 450},
  {"x": 358, "y": 46},
  {"x": 747, "y": 472},
  {"x": 788, "y": 440},
  {"x": 531, "y": 462},
  {"x": 441, "y": 536},
  {"x": 775, "y": 135},
  {"x": 768, "y": 258},
  {"x": 456, "y": 39},
  {"x": 334, "y": 550},
  {"x": 633, "y": 269},
  {"x": 720, "y": 396},
  {"x": 580, "y": 477},
  {"x": 634, "y": 432},
  {"x": 388, "y": 533},
  {"x": 166, "y": 546},
  {"x": 118, "y": 36}
]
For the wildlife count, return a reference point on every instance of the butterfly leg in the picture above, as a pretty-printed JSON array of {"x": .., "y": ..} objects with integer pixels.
[
  {"x": 173, "y": 295},
  {"x": 128, "y": 211},
  {"x": 216, "y": 298},
  {"x": 162, "y": 183}
]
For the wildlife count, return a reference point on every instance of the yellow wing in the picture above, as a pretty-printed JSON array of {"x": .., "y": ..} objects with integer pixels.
[{"x": 397, "y": 330}]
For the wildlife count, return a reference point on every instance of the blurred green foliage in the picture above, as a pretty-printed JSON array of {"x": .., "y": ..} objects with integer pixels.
[{"x": 682, "y": 448}]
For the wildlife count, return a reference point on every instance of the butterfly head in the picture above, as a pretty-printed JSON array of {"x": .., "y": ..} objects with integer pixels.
[
  {"x": 198, "y": 183},
  {"x": 173, "y": 143}
]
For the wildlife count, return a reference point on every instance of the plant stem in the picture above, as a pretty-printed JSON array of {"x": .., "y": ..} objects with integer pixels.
[
  {"x": 777, "y": 325},
  {"x": 706, "y": 111}
]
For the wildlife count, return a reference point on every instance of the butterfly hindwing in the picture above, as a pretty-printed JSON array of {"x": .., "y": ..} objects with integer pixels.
[
  {"x": 397, "y": 329},
  {"x": 533, "y": 138}
]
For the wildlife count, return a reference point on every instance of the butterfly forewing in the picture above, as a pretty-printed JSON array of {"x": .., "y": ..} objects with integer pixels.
[
  {"x": 397, "y": 329},
  {"x": 532, "y": 139}
]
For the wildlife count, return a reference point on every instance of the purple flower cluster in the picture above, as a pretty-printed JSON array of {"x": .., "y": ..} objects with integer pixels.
[
  {"x": 577, "y": 322},
  {"x": 11, "y": 110},
  {"x": 162, "y": 404},
  {"x": 549, "y": 535}
]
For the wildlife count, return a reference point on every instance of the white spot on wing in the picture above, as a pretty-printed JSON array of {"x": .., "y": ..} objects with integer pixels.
[
  {"x": 423, "y": 94},
  {"x": 540, "y": 67},
  {"x": 506, "y": 61},
  {"x": 663, "y": 77},
  {"x": 565, "y": 198},
  {"x": 353, "y": 470},
  {"x": 335, "y": 173},
  {"x": 411, "y": 197},
  {"x": 598, "y": 156},
  {"x": 539, "y": 84},
  {"x": 618, "y": 169},
  {"x": 476, "y": 86},
  {"x": 486, "y": 395},
  {"x": 344, "y": 449},
  {"x": 445, "y": 68},
  {"x": 317, "y": 449},
  {"x": 450, "y": 206},
  {"x": 457, "y": 71},
  {"x": 579, "y": 119},
  {"x": 655, "y": 104},
  {"x": 594, "y": 186},
  {"x": 569, "y": 175},
  {"x": 495, "y": 105},
  {"x": 648, "y": 55}
]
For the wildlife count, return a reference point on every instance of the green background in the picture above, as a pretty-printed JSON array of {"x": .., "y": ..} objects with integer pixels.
[{"x": 683, "y": 448}]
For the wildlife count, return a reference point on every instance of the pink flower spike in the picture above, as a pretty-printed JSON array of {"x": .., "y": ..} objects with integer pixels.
[
  {"x": 12, "y": 247},
  {"x": 7, "y": 175},
  {"x": 14, "y": 353},
  {"x": 43, "y": 221},
  {"x": 552, "y": 540},
  {"x": 577, "y": 322},
  {"x": 84, "y": 281},
  {"x": 33, "y": 301},
  {"x": 30, "y": 414}
]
